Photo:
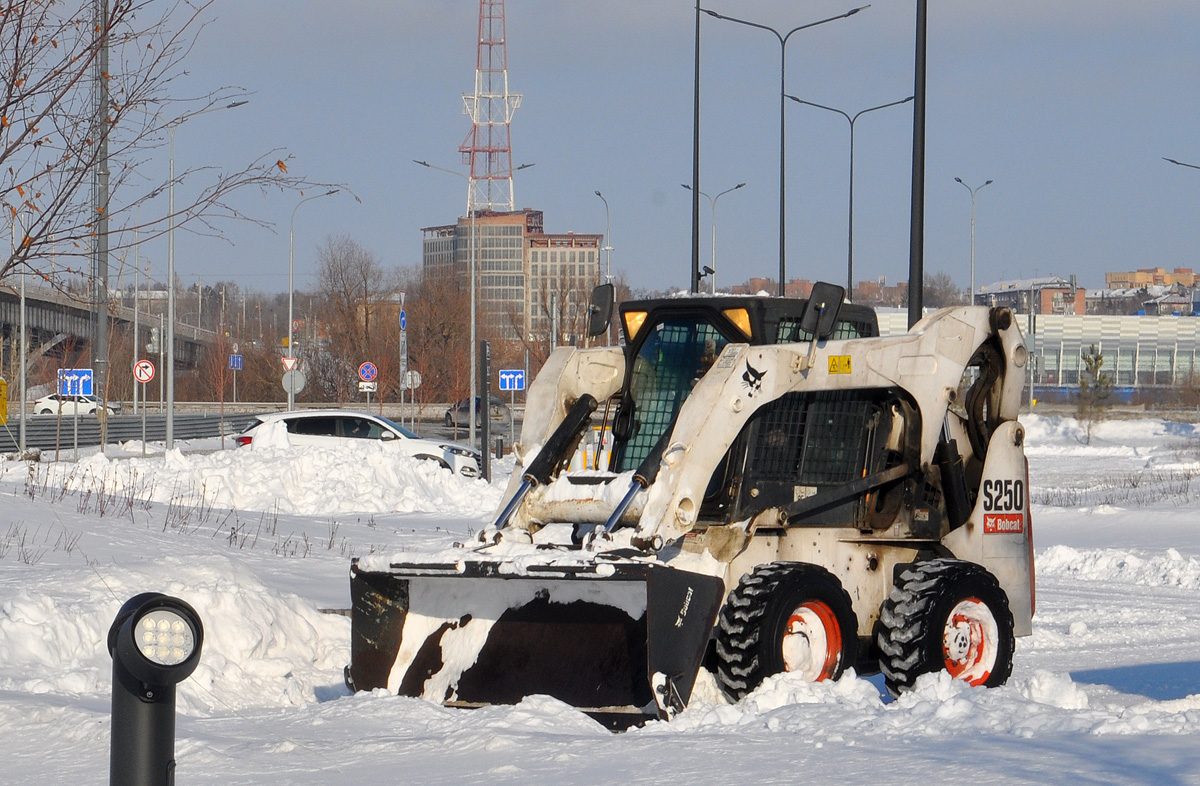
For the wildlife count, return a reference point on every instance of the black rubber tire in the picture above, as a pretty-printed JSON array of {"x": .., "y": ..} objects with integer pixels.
[
  {"x": 919, "y": 614},
  {"x": 449, "y": 421},
  {"x": 441, "y": 462},
  {"x": 755, "y": 619}
]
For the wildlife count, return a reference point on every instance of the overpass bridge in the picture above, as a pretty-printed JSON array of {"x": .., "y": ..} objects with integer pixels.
[{"x": 61, "y": 325}]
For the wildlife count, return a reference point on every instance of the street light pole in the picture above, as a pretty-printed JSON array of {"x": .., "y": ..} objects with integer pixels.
[
  {"x": 291, "y": 395},
  {"x": 973, "y": 192},
  {"x": 712, "y": 204},
  {"x": 607, "y": 241},
  {"x": 471, "y": 273},
  {"x": 169, "y": 371},
  {"x": 783, "y": 40},
  {"x": 21, "y": 358},
  {"x": 850, "y": 220}
]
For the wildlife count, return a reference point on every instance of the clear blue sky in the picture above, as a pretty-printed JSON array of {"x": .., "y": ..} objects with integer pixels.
[{"x": 1067, "y": 105}]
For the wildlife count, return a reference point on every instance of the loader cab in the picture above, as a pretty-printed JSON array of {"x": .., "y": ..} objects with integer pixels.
[{"x": 671, "y": 343}]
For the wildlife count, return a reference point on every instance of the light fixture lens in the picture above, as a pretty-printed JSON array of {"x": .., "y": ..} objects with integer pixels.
[{"x": 167, "y": 639}]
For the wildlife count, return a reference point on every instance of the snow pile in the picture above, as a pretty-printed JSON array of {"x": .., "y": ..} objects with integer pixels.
[
  {"x": 1171, "y": 569},
  {"x": 261, "y": 648},
  {"x": 308, "y": 481}
]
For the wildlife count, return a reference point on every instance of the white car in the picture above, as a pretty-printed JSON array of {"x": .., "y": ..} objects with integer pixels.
[
  {"x": 335, "y": 426},
  {"x": 71, "y": 405}
]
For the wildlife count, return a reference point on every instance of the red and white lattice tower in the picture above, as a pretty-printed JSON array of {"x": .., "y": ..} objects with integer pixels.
[{"x": 488, "y": 147}]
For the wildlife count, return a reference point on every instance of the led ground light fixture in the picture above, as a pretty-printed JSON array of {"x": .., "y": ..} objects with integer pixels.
[{"x": 155, "y": 643}]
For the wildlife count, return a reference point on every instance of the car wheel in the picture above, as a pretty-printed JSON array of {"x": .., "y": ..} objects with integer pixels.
[{"x": 45, "y": 411}]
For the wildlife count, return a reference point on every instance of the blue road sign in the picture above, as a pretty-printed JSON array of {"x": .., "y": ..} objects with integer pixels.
[
  {"x": 367, "y": 372},
  {"x": 403, "y": 320},
  {"x": 235, "y": 362},
  {"x": 512, "y": 379},
  {"x": 75, "y": 382}
]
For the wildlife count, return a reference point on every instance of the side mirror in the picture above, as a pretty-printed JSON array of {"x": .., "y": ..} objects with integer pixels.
[
  {"x": 387, "y": 436},
  {"x": 600, "y": 309},
  {"x": 821, "y": 312}
]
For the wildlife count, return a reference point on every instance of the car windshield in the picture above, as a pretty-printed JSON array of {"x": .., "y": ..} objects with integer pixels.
[{"x": 397, "y": 427}]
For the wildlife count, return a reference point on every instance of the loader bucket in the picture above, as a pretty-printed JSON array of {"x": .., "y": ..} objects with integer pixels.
[{"x": 621, "y": 641}]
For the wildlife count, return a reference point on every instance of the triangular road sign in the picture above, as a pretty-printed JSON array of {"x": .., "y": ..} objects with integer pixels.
[{"x": 289, "y": 363}]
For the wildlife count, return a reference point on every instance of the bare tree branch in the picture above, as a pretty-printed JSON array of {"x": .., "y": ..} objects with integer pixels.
[{"x": 50, "y": 140}]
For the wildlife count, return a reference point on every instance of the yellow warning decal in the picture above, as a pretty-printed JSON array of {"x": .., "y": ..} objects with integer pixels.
[{"x": 839, "y": 364}]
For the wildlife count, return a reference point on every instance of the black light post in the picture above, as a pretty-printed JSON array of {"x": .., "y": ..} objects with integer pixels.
[
  {"x": 850, "y": 222},
  {"x": 155, "y": 643},
  {"x": 916, "y": 226},
  {"x": 783, "y": 39}
]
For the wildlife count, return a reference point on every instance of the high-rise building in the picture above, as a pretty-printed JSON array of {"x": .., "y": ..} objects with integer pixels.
[{"x": 527, "y": 279}]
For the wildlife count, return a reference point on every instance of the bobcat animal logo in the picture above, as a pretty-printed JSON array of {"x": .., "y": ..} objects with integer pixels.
[{"x": 752, "y": 378}]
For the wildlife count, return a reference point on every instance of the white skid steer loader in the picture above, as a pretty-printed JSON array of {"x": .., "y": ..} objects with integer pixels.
[{"x": 786, "y": 491}]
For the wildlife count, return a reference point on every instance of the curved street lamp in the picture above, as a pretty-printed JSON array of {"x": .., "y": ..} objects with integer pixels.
[
  {"x": 607, "y": 241},
  {"x": 783, "y": 40},
  {"x": 850, "y": 222},
  {"x": 973, "y": 191},
  {"x": 712, "y": 204}
]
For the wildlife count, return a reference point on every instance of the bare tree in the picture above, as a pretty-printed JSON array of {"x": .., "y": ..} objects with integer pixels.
[
  {"x": 51, "y": 135},
  {"x": 355, "y": 297}
]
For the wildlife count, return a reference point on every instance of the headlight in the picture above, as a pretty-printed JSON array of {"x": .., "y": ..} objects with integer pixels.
[{"x": 458, "y": 450}]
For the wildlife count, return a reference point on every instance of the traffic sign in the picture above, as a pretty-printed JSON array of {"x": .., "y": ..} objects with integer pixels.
[
  {"x": 403, "y": 320},
  {"x": 512, "y": 379},
  {"x": 368, "y": 387},
  {"x": 411, "y": 380},
  {"x": 75, "y": 382},
  {"x": 289, "y": 363},
  {"x": 143, "y": 371},
  {"x": 294, "y": 381},
  {"x": 367, "y": 372},
  {"x": 235, "y": 362}
]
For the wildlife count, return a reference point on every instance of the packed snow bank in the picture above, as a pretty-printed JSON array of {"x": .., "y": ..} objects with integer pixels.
[
  {"x": 307, "y": 481},
  {"x": 261, "y": 648},
  {"x": 1171, "y": 569}
]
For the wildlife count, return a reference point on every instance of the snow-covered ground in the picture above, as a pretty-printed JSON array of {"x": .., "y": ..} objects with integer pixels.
[{"x": 1107, "y": 690}]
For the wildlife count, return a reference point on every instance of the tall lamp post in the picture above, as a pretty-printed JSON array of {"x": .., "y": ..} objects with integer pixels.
[
  {"x": 169, "y": 371},
  {"x": 291, "y": 399},
  {"x": 712, "y": 204},
  {"x": 850, "y": 221},
  {"x": 783, "y": 40},
  {"x": 607, "y": 241},
  {"x": 471, "y": 273},
  {"x": 973, "y": 191}
]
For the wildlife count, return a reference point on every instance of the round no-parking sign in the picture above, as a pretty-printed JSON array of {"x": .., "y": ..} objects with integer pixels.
[
  {"x": 143, "y": 371},
  {"x": 367, "y": 372}
]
